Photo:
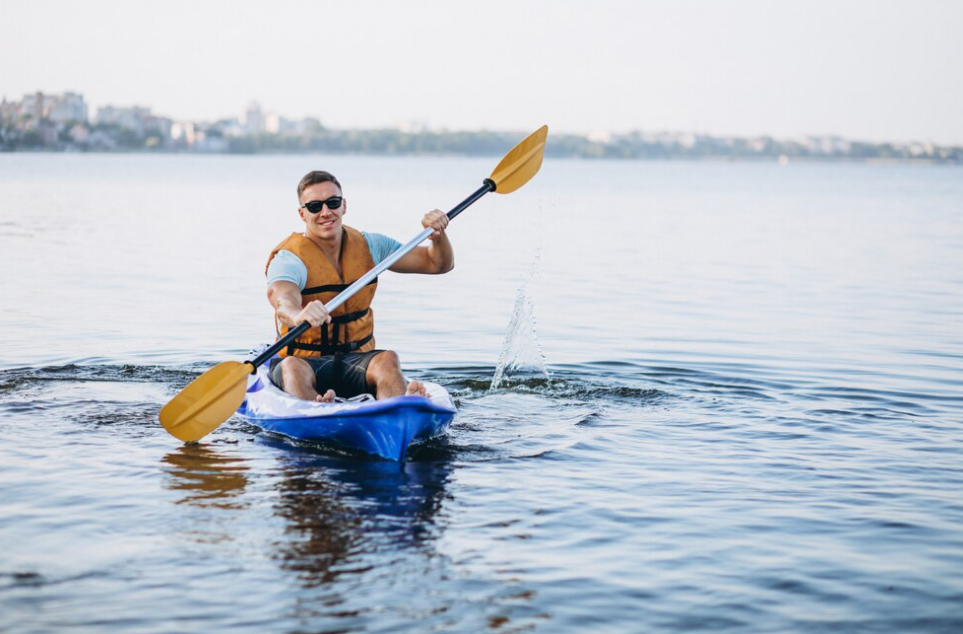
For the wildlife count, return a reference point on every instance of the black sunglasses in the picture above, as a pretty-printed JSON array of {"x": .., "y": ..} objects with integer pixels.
[{"x": 315, "y": 206}]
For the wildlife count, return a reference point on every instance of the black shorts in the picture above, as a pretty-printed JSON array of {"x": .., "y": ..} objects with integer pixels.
[{"x": 343, "y": 373}]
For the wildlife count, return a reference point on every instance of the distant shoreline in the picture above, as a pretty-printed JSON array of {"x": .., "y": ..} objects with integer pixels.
[
  {"x": 61, "y": 123},
  {"x": 785, "y": 160}
]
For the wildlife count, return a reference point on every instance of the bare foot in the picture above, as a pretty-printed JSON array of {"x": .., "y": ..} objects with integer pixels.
[
  {"x": 328, "y": 397},
  {"x": 415, "y": 388}
]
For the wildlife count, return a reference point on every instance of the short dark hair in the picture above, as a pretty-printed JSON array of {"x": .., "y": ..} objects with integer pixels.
[{"x": 315, "y": 177}]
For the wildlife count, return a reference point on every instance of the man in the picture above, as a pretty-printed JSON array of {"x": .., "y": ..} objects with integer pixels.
[{"x": 337, "y": 355}]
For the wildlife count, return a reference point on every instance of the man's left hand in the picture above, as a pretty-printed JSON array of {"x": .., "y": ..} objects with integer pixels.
[{"x": 437, "y": 220}]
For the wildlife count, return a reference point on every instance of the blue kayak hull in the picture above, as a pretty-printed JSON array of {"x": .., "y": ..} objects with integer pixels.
[{"x": 385, "y": 428}]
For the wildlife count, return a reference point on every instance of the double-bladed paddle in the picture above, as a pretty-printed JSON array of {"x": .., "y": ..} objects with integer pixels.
[{"x": 211, "y": 398}]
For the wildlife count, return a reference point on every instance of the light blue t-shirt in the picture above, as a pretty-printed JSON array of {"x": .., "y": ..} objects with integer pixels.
[{"x": 287, "y": 267}]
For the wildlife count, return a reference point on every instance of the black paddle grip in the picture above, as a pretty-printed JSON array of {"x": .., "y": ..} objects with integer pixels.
[
  {"x": 489, "y": 186},
  {"x": 281, "y": 343}
]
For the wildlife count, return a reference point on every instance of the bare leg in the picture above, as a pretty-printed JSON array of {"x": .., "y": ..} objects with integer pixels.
[
  {"x": 299, "y": 381},
  {"x": 384, "y": 372}
]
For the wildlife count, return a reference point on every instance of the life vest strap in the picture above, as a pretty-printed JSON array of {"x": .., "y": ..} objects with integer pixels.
[
  {"x": 336, "y": 322},
  {"x": 349, "y": 317},
  {"x": 329, "y": 349},
  {"x": 331, "y": 288}
]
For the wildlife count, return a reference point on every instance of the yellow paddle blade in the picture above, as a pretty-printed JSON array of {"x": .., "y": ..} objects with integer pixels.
[
  {"x": 207, "y": 402},
  {"x": 523, "y": 162}
]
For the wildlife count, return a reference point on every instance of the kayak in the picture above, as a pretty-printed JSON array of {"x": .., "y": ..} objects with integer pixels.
[{"x": 385, "y": 428}]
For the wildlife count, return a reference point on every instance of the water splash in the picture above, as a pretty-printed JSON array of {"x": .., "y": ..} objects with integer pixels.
[{"x": 521, "y": 355}]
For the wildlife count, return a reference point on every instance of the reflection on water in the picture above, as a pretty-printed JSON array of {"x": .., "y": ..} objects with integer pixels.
[
  {"x": 334, "y": 509},
  {"x": 338, "y": 510},
  {"x": 206, "y": 477}
]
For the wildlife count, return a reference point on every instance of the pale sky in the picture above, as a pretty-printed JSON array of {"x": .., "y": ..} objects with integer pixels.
[{"x": 864, "y": 69}]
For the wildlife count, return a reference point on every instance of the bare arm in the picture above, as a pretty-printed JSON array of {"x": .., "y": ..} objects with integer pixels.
[
  {"x": 285, "y": 297},
  {"x": 437, "y": 257}
]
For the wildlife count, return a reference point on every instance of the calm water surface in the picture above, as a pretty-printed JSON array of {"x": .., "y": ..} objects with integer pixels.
[{"x": 751, "y": 420}]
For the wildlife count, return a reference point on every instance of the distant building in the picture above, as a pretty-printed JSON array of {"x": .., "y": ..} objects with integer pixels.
[
  {"x": 257, "y": 121},
  {"x": 213, "y": 144},
  {"x": 9, "y": 111},
  {"x": 132, "y": 118},
  {"x": 273, "y": 123},
  {"x": 254, "y": 120},
  {"x": 183, "y": 132},
  {"x": 35, "y": 106},
  {"x": 922, "y": 149},
  {"x": 160, "y": 127},
  {"x": 68, "y": 107},
  {"x": 48, "y": 133},
  {"x": 79, "y": 134},
  {"x": 61, "y": 109}
]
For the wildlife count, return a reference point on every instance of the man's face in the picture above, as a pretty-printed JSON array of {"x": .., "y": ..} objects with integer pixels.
[{"x": 325, "y": 224}]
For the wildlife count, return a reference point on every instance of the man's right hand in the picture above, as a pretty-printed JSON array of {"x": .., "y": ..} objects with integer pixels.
[
  {"x": 286, "y": 298},
  {"x": 314, "y": 313}
]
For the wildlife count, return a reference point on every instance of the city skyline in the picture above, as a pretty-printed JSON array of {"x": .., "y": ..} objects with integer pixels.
[
  {"x": 863, "y": 70},
  {"x": 71, "y": 106},
  {"x": 61, "y": 122}
]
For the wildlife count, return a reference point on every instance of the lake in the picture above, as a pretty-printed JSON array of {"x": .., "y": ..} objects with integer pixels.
[{"x": 729, "y": 399}]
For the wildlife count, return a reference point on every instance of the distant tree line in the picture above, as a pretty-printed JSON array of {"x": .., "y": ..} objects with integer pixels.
[
  {"x": 626, "y": 146},
  {"x": 217, "y": 138}
]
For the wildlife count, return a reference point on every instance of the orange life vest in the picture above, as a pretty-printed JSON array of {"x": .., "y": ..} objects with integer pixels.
[{"x": 352, "y": 323}]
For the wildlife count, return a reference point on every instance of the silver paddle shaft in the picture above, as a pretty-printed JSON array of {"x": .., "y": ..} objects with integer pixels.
[
  {"x": 345, "y": 295},
  {"x": 362, "y": 281}
]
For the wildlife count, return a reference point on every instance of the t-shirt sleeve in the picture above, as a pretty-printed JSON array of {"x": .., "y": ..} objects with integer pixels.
[
  {"x": 287, "y": 267},
  {"x": 381, "y": 246}
]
